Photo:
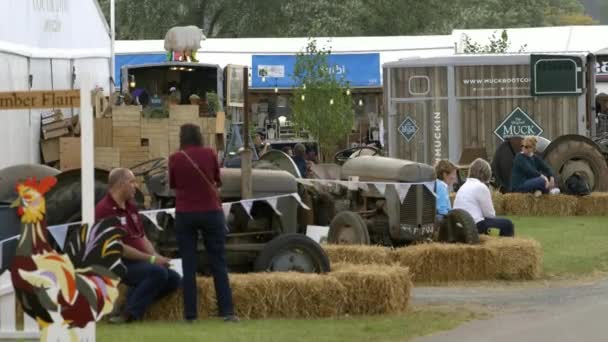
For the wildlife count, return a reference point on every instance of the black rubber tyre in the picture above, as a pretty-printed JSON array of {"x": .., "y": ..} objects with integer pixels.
[
  {"x": 567, "y": 150},
  {"x": 348, "y": 228},
  {"x": 458, "y": 227},
  {"x": 292, "y": 252},
  {"x": 502, "y": 163}
]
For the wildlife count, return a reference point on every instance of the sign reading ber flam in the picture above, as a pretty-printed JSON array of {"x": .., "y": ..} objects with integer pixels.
[
  {"x": 517, "y": 124},
  {"x": 40, "y": 99}
]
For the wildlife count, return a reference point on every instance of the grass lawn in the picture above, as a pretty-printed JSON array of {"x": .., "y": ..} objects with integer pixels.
[
  {"x": 572, "y": 246},
  {"x": 378, "y": 328}
]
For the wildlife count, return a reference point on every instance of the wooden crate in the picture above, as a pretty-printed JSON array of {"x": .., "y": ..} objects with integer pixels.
[
  {"x": 131, "y": 157},
  {"x": 155, "y": 135},
  {"x": 107, "y": 158},
  {"x": 69, "y": 153},
  {"x": 188, "y": 113},
  {"x": 126, "y": 116},
  {"x": 103, "y": 132}
]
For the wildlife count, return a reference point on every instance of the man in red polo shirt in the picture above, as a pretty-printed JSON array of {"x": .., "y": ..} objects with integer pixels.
[{"x": 148, "y": 275}]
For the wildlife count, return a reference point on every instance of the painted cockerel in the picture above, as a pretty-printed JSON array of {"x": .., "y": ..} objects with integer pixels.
[{"x": 63, "y": 291}]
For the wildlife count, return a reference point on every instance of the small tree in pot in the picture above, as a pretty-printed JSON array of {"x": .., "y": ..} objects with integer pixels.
[{"x": 321, "y": 103}]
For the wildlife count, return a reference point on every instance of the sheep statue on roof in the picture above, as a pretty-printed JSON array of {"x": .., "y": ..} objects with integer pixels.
[{"x": 185, "y": 40}]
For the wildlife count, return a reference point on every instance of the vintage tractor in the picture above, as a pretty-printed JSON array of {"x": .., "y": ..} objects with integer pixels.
[
  {"x": 366, "y": 215},
  {"x": 262, "y": 240}
]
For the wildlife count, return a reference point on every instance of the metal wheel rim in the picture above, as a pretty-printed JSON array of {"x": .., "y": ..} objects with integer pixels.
[{"x": 293, "y": 260}]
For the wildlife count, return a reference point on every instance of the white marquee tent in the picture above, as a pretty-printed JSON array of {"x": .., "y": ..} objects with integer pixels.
[{"x": 44, "y": 45}]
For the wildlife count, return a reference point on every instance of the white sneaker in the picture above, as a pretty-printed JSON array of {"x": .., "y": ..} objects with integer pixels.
[
  {"x": 554, "y": 191},
  {"x": 537, "y": 193}
]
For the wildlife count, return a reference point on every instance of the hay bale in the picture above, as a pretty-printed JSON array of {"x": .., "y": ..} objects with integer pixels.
[
  {"x": 262, "y": 295},
  {"x": 171, "y": 307},
  {"x": 595, "y": 204},
  {"x": 357, "y": 254},
  {"x": 442, "y": 262},
  {"x": 499, "y": 202},
  {"x": 373, "y": 289},
  {"x": 516, "y": 259},
  {"x": 546, "y": 205},
  {"x": 493, "y": 258}
]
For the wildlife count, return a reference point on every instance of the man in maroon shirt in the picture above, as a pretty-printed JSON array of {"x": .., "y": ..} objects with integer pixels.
[{"x": 148, "y": 275}]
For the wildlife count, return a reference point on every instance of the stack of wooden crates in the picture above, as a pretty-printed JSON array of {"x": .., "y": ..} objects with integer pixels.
[{"x": 126, "y": 139}]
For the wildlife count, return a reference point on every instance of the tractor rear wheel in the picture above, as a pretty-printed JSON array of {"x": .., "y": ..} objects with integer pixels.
[
  {"x": 348, "y": 228},
  {"x": 458, "y": 227},
  {"x": 568, "y": 154}
]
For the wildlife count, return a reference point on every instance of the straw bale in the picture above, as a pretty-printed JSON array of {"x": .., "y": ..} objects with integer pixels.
[
  {"x": 374, "y": 289},
  {"x": 442, "y": 262},
  {"x": 517, "y": 259},
  {"x": 493, "y": 258},
  {"x": 357, "y": 254},
  {"x": 499, "y": 202},
  {"x": 263, "y": 295},
  {"x": 595, "y": 204},
  {"x": 546, "y": 205}
]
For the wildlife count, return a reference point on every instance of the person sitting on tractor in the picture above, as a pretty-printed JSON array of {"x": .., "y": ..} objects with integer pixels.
[
  {"x": 475, "y": 198},
  {"x": 446, "y": 177},
  {"x": 530, "y": 173}
]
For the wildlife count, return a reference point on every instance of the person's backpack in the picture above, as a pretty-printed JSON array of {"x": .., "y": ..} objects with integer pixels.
[{"x": 577, "y": 185}]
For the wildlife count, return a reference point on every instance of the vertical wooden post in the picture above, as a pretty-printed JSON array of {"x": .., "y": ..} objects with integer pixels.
[{"x": 246, "y": 163}]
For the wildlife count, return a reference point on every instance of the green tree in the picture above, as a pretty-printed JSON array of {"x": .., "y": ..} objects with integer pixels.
[
  {"x": 496, "y": 45},
  {"x": 320, "y": 103}
]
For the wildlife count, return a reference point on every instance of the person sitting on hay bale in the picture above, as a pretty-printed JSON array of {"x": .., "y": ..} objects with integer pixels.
[
  {"x": 474, "y": 197},
  {"x": 446, "y": 177},
  {"x": 530, "y": 173}
]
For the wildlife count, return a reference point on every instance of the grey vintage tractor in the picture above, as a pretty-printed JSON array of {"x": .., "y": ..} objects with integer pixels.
[
  {"x": 261, "y": 240},
  {"x": 368, "y": 215}
]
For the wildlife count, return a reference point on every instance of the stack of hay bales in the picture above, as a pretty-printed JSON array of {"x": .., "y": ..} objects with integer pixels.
[
  {"x": 494, "y": 258},
  {"x": 349, "y": 289}
]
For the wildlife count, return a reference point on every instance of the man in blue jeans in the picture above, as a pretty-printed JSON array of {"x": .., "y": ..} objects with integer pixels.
[{"x": 148, "y": 274}]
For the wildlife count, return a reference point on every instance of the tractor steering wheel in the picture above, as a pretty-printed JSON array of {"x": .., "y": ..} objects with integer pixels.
[
  {"x": 147, "y": 167},
  {"x": 342, "y": 156}
]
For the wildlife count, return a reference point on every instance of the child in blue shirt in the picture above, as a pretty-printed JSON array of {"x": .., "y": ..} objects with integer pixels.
[{"x": 446, "y": 177}]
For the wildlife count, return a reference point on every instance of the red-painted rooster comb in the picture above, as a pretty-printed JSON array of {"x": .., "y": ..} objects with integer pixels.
[{"x": 42, "y": 187}]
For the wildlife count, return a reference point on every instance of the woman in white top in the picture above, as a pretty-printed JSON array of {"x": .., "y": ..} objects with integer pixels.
[{"x": 474, "y": 197}]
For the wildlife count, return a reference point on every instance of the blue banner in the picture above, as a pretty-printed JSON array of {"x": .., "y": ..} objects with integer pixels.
[
  {"x": 360, "y": 70},
  {"x": 122, "y": 60}
]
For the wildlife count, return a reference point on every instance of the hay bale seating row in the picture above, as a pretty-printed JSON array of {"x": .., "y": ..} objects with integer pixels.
[
  {"x": 495, "y": 258},
  {"x": 348, "y": 289},
  {"x": 519, "y": 204}
]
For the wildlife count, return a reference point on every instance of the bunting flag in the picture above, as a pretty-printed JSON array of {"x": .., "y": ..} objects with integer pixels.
[
  {"x": 381, "y": 188},
  {"x": 152, "y": 216},
  {"x": 226, "y": 208},
  {"x": 431, "y": 187},
  {"x": 273, "y": 203},
  {"x": 297, "y": 197},
  {"x": 60, "y": 232},
  {"x": 247, "y": 204},
  {"x": 402, "y": 190}
]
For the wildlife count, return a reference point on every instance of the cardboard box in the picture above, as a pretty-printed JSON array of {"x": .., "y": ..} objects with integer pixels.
[
  {"x": 56, "y": 133},
  {"x": 50, "y": 150},
  {"x": 69, "y": 153}
]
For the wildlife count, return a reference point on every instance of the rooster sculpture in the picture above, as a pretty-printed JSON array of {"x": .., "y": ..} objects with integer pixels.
[{"x": 65, "y": 291}]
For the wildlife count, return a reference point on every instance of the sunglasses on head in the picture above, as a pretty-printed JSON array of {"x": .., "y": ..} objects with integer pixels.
[{"x": 527, "y": 146}]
